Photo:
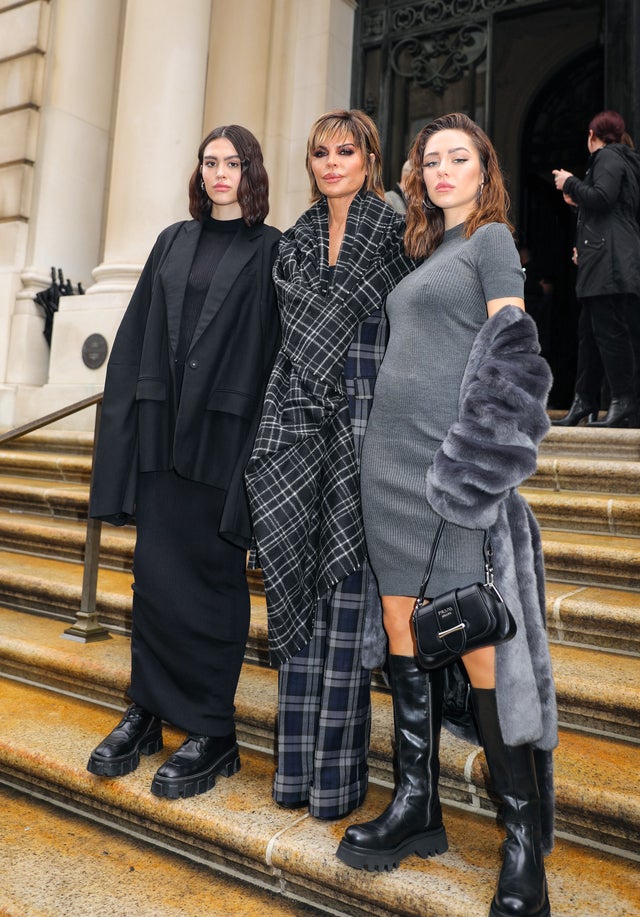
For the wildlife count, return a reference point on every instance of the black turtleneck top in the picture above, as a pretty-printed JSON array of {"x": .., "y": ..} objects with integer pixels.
[{"x": 215, "y": 239}]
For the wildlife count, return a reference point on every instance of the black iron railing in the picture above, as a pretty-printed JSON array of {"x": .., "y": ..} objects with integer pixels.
[{"x": 86, "y": 626}]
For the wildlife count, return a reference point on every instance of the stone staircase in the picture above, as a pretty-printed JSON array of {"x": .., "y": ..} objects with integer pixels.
[{"x": 110, "y": 847}]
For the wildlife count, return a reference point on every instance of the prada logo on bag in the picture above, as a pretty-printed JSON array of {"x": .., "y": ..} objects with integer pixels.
[{"x": 447, "y": 616}]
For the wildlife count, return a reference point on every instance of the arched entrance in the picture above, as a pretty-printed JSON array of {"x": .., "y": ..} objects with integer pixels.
[{"x": 555, "y": 136}]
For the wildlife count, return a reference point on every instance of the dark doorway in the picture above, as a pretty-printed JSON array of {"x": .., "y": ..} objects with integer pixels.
[{"x": 555, "y": 136}]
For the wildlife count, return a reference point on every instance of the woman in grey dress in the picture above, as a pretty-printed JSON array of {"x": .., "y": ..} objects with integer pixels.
[{"x": 447, "y": 318}]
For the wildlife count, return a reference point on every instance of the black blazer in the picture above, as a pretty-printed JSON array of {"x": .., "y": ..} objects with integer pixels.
[{"x": 208, "y": 437}]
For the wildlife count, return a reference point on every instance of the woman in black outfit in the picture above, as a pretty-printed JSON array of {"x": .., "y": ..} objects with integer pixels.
[
  {"x": 608, "y": 279},
  {"x": 183, "y": 396}
]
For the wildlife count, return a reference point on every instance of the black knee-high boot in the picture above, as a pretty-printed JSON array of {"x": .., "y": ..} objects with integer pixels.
[
  {"x": 522, "y": 886},
  {"x": 412, "y": 823}
]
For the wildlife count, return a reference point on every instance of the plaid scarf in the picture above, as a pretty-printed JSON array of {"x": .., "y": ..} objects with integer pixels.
[{"x": 302, "y": 478}]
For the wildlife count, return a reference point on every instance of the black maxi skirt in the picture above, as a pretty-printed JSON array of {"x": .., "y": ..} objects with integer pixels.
[{"x": 191, "y": 606}]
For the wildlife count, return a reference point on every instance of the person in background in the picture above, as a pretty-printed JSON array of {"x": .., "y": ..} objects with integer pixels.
[
  {"x": 458, "y": 412},
  {"x": 334, "y": 269},
  {"x": 182, "y": 401},
  {"x": 396, "y": 197},
  {"x": 607, "y": 256}
]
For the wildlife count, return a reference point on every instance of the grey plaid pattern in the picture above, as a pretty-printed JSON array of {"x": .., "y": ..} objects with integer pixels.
[
  {"x": 302, "y": 479},
  {"x": 324, "y": 712}
]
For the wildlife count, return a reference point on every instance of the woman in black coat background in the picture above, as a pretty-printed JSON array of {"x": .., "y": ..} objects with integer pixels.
[
  {"x": 183, "y": 396},
  {"x": 607, "y": 255}
]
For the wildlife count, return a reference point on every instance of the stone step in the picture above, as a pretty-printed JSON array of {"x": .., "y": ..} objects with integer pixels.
[
  {"x": 54, "y": 587},
  {"x": 567, "y": 473},
  {"x": 574, "y": 557},
  {"x": 49, "y": 498},
  {"x": 51, "y": 440},
  {"x": 585, "y": 512},
  {"x": 595, "y": 443},
  {"x": 595, "y": 616},
  {"x": 578, "y": 567},
  {"x": 595, "y": 691},
  {"x": 33, "y": 533},
  {"x": 46, "y": 466},
  {"x": 599, "y": 443},
  {"x": 86, "y": 869},
  {"x": 37, "y": 519},
  {"x": 44, "y": 743}
]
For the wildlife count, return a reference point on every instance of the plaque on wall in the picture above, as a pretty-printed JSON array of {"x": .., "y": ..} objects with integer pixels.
[{"x": 94, "y": 351}]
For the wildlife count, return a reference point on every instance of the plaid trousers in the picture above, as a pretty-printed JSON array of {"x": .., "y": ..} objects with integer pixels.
[{"x": 324, "y": 704}]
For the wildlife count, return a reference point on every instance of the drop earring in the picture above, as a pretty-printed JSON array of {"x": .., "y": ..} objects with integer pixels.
[{"x": 202, "y": 185}]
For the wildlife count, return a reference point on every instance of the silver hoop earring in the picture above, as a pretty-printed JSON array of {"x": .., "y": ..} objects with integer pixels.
[
  {"x": 428, "y": 203},
  {"x": 202, "y": 185}
]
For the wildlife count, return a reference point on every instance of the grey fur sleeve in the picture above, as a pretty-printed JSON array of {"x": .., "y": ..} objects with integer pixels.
[{"x": 493, "y": 446}]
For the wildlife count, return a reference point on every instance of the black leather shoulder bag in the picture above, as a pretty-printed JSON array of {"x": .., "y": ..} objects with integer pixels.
[{"x": 456, "y": 622}]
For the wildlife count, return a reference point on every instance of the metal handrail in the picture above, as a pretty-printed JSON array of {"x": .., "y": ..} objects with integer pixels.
[
  {"x": 44, "y": 421},
  {"x": 86, "y": 627}
]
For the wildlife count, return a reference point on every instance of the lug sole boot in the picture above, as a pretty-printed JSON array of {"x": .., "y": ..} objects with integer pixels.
[
  {"x": 138, "y": 732},
  {"x": 193, "y": 768},
  {"x": 412, "y": 823},
  {"x": 522, "y": 885}
]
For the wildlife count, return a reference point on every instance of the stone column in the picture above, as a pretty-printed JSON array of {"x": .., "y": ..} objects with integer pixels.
[
  {"x": 310, "y": 72},
  {"x": 246, "y": 36},
  {"x": 158, "y": 123},
  {"x": 70, "y": 143},
  {"x": 24, "y": 32},
  {"x": 67, "y": 155},
  {"x": 299, "y": 54}
]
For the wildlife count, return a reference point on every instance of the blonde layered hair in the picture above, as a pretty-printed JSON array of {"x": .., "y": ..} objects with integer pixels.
[{"x": 339, "y": 124}]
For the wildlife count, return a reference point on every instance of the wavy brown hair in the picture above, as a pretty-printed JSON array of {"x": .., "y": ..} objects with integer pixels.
[
  {"x": 253, "y": 190},
  {"x": 425, "y": 221},
  {"x": 341, "y": 123}
]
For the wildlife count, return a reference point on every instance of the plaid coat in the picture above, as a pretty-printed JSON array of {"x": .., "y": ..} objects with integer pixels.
[{"x": 302, "y": 478}]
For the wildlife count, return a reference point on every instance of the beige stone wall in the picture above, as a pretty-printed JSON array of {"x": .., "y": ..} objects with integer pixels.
[
  {"x": 23, "y": 41},
  {"x": 102, "y": 108}
]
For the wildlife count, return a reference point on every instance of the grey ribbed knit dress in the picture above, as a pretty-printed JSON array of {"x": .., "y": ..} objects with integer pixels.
[{"x": 434, "y": 316}]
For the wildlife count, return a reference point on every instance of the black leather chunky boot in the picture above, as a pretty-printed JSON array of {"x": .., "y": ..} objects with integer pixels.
[
  {"x": 412, "y": 823},
  {"x": 138, "y": 732},
  {"x": 577, "y": 412},
  {"x": 623, "y": 412},
  {"x": 522, "y": 885},
  {"x": 193, "y": 768}
]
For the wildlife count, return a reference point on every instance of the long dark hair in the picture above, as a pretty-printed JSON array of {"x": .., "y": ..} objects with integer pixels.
[
  {"x": 253, "y": 190},
  {"x": 425, "y": 221}
]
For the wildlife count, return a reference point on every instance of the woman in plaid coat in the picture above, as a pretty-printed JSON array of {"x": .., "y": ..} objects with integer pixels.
[{"x": 334, "y": 270}]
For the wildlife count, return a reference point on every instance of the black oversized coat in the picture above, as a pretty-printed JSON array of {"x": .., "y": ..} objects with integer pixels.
[{"x": 208, "y": 436}]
